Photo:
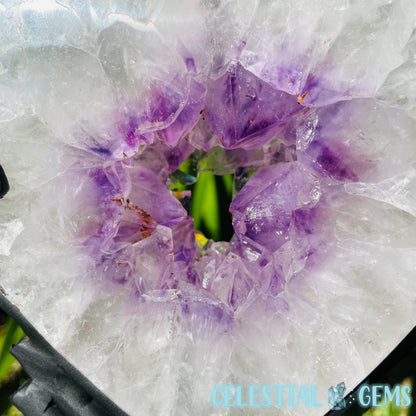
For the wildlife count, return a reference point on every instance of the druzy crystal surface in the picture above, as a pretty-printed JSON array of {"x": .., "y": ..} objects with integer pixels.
[{"x": 310, "y": 104}]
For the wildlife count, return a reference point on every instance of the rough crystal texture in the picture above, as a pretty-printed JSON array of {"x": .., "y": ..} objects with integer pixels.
[{"x": 100, "y": 103}]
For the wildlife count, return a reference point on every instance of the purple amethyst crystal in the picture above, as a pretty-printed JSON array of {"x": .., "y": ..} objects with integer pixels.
[
  {"x": 244, "y": 111},
  {"x": 187, "y": 118},
  {"x": 263, "y": 210}
]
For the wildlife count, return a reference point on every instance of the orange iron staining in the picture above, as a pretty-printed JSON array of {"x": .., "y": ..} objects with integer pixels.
[
  {"x": 302, "y": 97},
  {"x": 136, "y": 222}
]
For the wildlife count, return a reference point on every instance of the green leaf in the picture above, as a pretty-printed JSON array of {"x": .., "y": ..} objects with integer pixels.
[
  {"x": 13, "y": 411},
  {"x": 10, "y": 334},
  {"x": 204, "y": 205},
  {"x": 228, "y": 181}
]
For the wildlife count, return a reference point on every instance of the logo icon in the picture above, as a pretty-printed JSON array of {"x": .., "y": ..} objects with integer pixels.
[{"x": 336, "y": 399}]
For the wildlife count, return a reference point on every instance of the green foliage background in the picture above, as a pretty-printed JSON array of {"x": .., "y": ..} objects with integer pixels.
[{"x": 11, "y": 373}]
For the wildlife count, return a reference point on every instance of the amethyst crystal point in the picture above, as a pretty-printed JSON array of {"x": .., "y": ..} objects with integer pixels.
[
  {"x": 243, "y": 111},
  {"x": 332, "y": 141},
  {"x": 231, "y": 282},
  {"x": 174, "y": 156},
  {"x": 154, "y": 260},
  {"x": 262, "y": 211},
  {"x": 133, "y": 222},
  {"x": 202, "y": 137},
  {"x": 187, "y": 118},
  {"x": 131, "y": 138},
  {"x": 136, "y": 224},
  {"x": 184, "y": 245},
  {"x": 152, "y": 196}
]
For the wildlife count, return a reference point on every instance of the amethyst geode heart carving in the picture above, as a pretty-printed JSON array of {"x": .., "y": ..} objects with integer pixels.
[{"x": 307, "y": 105}]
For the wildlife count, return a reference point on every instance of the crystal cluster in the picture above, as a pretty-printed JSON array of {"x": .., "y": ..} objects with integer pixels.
[
  {"x": 101, "y": 103},
  {"x": 336, "y": 396}
]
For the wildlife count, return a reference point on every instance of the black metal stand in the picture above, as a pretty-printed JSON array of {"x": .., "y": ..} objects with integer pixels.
[
  {"x": 378, "y": 375},
  {"x": 56, "y": 387}
]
